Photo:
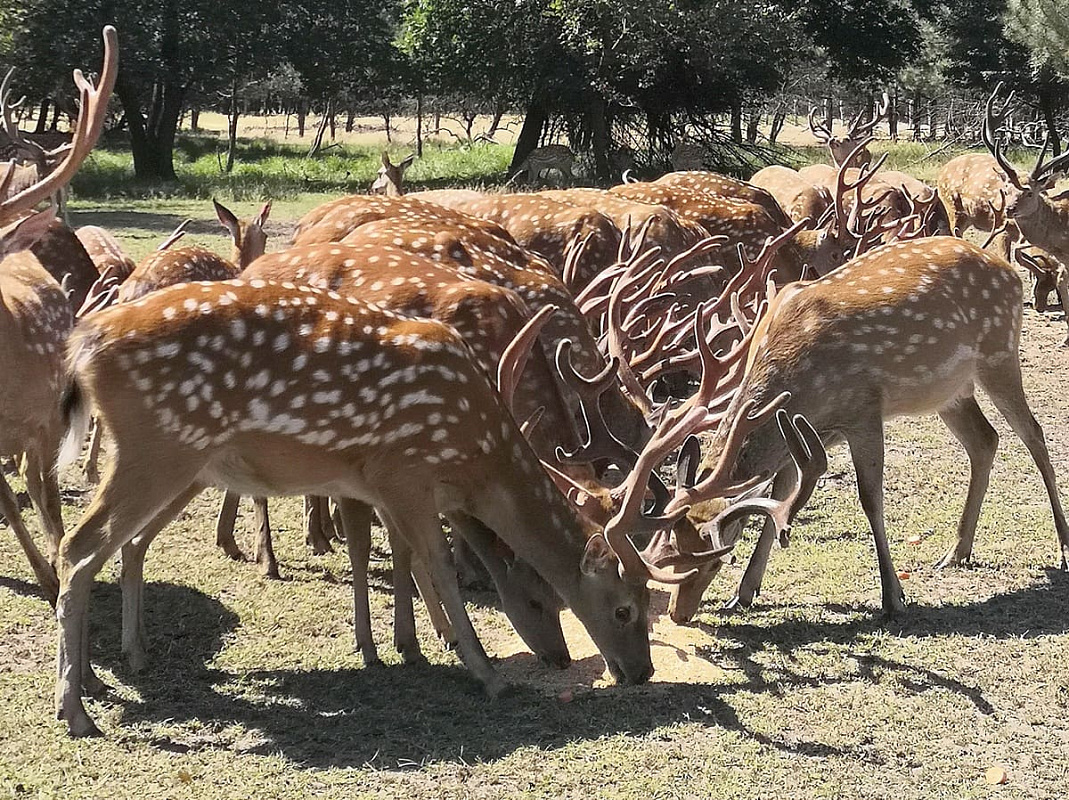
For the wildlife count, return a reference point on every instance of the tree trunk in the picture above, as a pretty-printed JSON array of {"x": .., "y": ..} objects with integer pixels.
[
  {"x": 736, "y": 121},
  {"x": 302, "y": 117},
  {"x": 350, "y": 119},
  {"x": 194, "y": 119},
  {"x": 232, "y": 129},
  {"x": 1048, "y": 107},
  {"x": 387, "y": 121},
  {"x": 42, "y": 116},
  {"x": 56, "y": 111},
  {"x": 495, "y": 121},
  {"x": 419, "y": 126},
  {"x": 778, "y": 121},
  {"x": 321, "y": 130},
  {"x": 332, "y": 122},
  {"x": 892, "y": 116},
  {"x": 533, "y": 122},
  {"x": 753, "y": 123},
  {"x": 152, "y": 137}
]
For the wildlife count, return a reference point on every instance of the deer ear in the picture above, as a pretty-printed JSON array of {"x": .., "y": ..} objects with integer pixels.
[
  {"x": 598, "y": 556},
  {"x": 265, "y": 212},
  {"x": 23, "y": 235},
  {"x": 407, "y": 162},
  {"x": 386, "y": 159},
  {"x": 227, "y": 219}
]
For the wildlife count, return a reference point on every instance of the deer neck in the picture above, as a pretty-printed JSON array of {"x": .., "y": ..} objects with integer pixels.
[
  {"x": 524, "y": 508},
  {"x": 1047, "y": 226}
]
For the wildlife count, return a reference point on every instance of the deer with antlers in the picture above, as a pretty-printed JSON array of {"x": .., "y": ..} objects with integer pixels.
[
  {"x": 861, "y": 127},
  {"x": 906, "y": 329},
  {"x": 35, "y": 318},
  {"x": 1041, "y": 219},
  {"x": 257, "y": 421}
]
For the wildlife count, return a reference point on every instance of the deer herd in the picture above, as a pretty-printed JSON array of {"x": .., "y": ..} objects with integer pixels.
[{"x": 523, "y": 365}]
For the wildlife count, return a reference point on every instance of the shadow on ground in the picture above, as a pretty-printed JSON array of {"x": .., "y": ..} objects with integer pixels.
[{"x": 411, "y": 715}]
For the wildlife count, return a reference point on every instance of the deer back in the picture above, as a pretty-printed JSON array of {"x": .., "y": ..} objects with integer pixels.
[
  {"x": 165, "y": 268},
  {"x": 726, "y": 186}
]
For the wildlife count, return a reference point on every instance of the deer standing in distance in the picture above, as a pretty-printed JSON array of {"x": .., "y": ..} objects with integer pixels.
[
  {"x": 542, "y": 159},
  {"x": 687, "y": 156},
  {"x": 861, "y": 127},
  {"x": 391, "y": 176},
  {"x": 275, "y": 435},
  {"x": 1041, "y": 219},
  {"x": 906, "y": 329},
  {"x": 35, "y": 318}
]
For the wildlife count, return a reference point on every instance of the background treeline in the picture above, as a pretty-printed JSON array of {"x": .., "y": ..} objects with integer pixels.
[{"x": 602, "y": 75}]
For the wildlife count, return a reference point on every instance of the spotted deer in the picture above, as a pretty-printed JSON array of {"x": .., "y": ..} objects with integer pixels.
[
  {"x": 260, "y": 421},
  {"x": 391, "y": 176},
  {"x": 861, "y": 127},
  {"x": 488, "y": 318},
  {"x": 687, "y": 156},
  {"x": 906, "y": 329},
  {"x": 548, "y": 227},
  {"x": 542, "y": 159},
  {"x": 35, "y": 318},
  {"x": 726, "y": 186},
  {"x": 799, "y": 198},
  {"x": 1041, "y": 219},
  {"x": 745, "y": 224},
  {"x": 105, "y": 252}
]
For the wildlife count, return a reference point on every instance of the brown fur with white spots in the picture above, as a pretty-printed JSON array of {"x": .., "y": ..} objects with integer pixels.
[
  {"x": 743, "y": 223},
  {"x": 334, "y": 220},
  {"x": 547, "y": 227},
  {"x": 541, "y": 160},
  {"x": 488, "y": 318},
  {"x": 276, "y": 389},
  {"x": 105, "y": 252},
  {"x": 799, "y": 197},
  {"x": 480, "y": 257},
  {"x": 726, "y": 186},
  {"x": 973, "y": 191},
  {"x": 909, "y": 328}
]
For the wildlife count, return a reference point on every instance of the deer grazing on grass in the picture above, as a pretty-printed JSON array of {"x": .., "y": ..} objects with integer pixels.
[
  {"x": 909, "y": 328},
  {"x": 259, "y": 421},
  {"x": 35, "y": 318}
]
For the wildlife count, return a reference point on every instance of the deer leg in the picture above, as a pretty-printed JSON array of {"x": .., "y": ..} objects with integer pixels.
[
  {"x": 356, "y": 524},
  {"x": 264, "y": 552},
  {"x": 43, "y": 488},
  {"x": 224, "y": 526},
  {"x": 970, "y": 427},
  {"x": 1061, "y": 287},
  {"x": 866, "y": 451},
  {"x": 42, "y": 568},
  {"x": 330, "y": 532},
  {"x": 1002, "y": 382},
  {"x": 424, "y": 531},
  {"x": 427, "y": 592},
  {"x": 132, "y": 579},
  {"x": 314, "y": 534},
  {"x": 92, "y": 458},
  {"x": 127, "y": 505},
  {"x": 404, "y": 618},
  {"x": 750, "y": 585}
]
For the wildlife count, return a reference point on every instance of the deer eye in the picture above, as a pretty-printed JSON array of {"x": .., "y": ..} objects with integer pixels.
[{"x": 623, "y": 614}]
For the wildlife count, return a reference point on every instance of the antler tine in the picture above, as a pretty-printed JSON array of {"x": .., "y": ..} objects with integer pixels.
[
  {"x": 577, "y": 248},
  {"x": 1043, "y": 171},
  {"x": 811, "y": 462},
  {"x": 176, "y": 234},
  {"x": 87, "y": 131},
  {"x": 992, "y": 120},
  {"x": 516, "y": 354},
  {"x": 859, "y": 128},
  {"x": 819, "y": 130},
  {"x": 601, "y": 442}
]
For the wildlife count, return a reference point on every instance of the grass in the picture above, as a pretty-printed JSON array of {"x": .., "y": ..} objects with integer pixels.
[{"x": 253, "y": 687}]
